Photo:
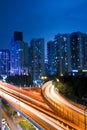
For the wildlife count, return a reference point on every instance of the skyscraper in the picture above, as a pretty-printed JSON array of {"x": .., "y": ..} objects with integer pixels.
[
  {"x": 18, "y": 36},
  {"x": 64, "y": 60},
  {"x": 78, "y": 42},
  {"x": 53, "y": 57},
  {"x": 4, "y": 62},
  {"x": 19, "y": 55},
  {"x": 37, "y": 56},
  {"x": 59, "y": 54},
  {"x": 67, "y": 53}
]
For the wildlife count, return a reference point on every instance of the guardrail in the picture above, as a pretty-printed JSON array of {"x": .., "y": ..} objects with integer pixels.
[{"x": 71, "y": 118}]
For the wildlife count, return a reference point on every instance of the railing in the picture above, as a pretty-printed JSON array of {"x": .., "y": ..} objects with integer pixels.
[{"x": 72, "y": 118}]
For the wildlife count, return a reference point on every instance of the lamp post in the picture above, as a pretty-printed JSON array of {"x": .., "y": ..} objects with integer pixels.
[
  {"x": 19, "y": 99},
  {"x": 85, "y": 101},
  {"x": 19, "y": 96},
  {"x": 85, "y": 118}
]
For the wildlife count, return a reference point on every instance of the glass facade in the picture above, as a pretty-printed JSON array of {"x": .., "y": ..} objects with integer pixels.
[
  {"x": 18, "y": 57},
  {"x": 4, "y": 62}
]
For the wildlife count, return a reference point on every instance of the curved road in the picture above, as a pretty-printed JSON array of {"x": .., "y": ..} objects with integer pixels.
[
  {"x": 53, "y": 112},
  {"x": 34, "y": 109},
  {"x": 74, "y": 114}
]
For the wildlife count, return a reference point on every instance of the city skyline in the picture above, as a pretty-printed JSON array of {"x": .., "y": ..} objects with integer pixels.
[{"x": 41, "y": 19}]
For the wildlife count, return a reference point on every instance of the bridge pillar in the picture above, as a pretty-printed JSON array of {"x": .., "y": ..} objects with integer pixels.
[
  {"x": 67, "y": 127},
  {"x": 0, "y": 114}
]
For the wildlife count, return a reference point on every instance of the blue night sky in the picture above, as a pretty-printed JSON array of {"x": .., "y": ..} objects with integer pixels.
[{"x": 41, "y": 18}]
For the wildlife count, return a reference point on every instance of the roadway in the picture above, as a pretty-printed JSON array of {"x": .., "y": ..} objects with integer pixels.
[
  {"x": 45, "y": 106},
  {"x": 34, "y": 109},
  {"x": 65, "y": 108}
]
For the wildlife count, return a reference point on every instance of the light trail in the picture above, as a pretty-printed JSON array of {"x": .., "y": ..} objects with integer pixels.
[
  {"x": 20, "y": 93},
  {"x": 72, "y": 114},
  {"x": 54, "y": 123},
  {"x": 30, "y": 106},
  {"x": 56, "y": 97}
]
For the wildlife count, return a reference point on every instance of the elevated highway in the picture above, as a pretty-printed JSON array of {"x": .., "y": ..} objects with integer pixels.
[
  {"x": 74, "y": 114},
  {"x": 44, "y": 106}
]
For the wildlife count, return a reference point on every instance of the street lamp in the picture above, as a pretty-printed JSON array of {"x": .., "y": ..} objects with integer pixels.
[
  {"x": 19, "y": 99},
  {"x": 57, "y": 80},
  {"x": 85, "y": 101},
  {"x": 85, "y": 118},
  {"x": 43, "y": 78}
]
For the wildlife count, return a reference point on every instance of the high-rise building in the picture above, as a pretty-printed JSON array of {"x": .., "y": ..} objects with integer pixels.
[
  {"x": 67, "y": 53},
  {"x": 4, "y": 62},
  {"x": 78, "y": 42},
  {"x": 38, "y": 57},
  {"x": 53, "y": 58},
  {"x": 30, "y": 60},
  {"x": 85, "y": 51},
  {"x": 59, "y": 54},
  {"x": 63, "y": 41},
  {"x": 18, "y": 36},
  {"x": 18, "y": 55}
]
